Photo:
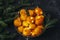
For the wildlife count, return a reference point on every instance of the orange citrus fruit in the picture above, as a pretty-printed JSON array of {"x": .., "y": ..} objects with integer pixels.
[
  {"x": 38, "y": 11},
  {"x": 40, "y": 26},
  {"x": 32, "y": 13},
  {"x": 25, "y": 23},
  {"x": 30, "y": 19},
  {"x": 22, "y": 12},
  {"x": 32, "y": 26},
  {"x": 23, "y": 17},
  {"x": 36, "y": 32},
  {"x": 39, "y": 19},
  {"x": 26, "y": 32},
  {"x": 17, "y": 22},
  {"x": 20, "y": 29}
]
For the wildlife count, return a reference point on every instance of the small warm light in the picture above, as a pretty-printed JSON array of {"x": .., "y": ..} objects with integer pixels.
[
  {"x": 32, "y": 21},
  {"x": 32, "y": 18},
  {"x": 36, "y": 10}
]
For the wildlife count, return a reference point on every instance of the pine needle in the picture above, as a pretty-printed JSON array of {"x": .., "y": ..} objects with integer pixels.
[{"x": 49, "y": 24}]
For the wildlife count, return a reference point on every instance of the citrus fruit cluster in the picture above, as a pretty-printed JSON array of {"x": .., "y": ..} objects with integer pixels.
[{"x": 31, "y": 25}]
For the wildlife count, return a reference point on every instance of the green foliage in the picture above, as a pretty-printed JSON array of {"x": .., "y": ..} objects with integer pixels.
[
  {"x": 3, "y": 24},
  {"x": 48, "y": 23},
  {"x": 5, "y": 36}
]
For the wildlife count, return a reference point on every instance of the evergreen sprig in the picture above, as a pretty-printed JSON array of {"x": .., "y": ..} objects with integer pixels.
[
  {"x": 51, "y": 23},
  {"x": 48, "y": 22}
]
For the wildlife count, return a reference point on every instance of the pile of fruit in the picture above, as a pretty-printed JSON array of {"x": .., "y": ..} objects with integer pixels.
[{"x": 31, "y": 25}]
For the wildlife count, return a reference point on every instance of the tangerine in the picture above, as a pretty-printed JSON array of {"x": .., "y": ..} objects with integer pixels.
[
  {"x": 39, "y": 19},
  {"x": 20, "y": 29},
  {"x": 37, "y": 31},
  {"x": 17, "y": 22},
  {"x": 22, "y": 12},
  {"x": 32, "y": 26},
  {"x": 30, "y": 19},
  {"x": 26, "y": 32},
  {"x": 32, "y": 13},
  {"x": 38, "y": 11}
]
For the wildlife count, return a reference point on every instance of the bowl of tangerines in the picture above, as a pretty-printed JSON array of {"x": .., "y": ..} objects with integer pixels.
[{"x": 31, "y": 25}]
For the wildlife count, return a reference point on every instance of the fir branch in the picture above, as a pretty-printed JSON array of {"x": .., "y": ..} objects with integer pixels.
[
  {"x": 3, "y": 24},
  {"x": 10, "y": 19},
  {"x": 8, "y": 36},
  {"x": 7, "y": 20},
  {"x": 49, "y": 24}
]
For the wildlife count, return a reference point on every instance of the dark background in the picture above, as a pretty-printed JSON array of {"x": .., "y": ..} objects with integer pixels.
[{"x": 9, "y": 8}]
